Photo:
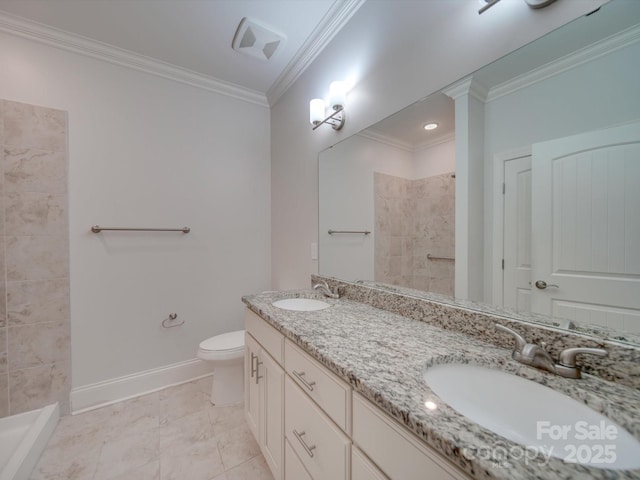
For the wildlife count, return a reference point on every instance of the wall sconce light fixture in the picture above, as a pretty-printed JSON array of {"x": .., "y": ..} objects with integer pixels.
[{"x": 317, "y": 108}]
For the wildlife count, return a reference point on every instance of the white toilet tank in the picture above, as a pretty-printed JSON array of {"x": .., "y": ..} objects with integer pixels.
[{"x": 227, "y": 346}]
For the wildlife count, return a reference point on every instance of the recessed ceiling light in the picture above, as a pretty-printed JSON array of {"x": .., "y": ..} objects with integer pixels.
[{"x": 431, "y": 126}]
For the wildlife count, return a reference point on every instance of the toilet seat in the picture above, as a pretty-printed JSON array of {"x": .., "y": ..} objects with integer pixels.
[{"x": 227, "y": 346}]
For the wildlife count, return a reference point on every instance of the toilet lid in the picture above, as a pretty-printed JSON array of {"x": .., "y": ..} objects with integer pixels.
[{"x": 225, "y": 341}]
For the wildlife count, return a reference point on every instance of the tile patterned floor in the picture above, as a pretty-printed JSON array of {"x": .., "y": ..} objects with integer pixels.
[{"x": 173, "y": 434}]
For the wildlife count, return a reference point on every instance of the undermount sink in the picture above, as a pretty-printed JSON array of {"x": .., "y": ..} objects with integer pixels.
[
  {"x": 534, "y": 416},
  {"x": 301, "y": 304}
]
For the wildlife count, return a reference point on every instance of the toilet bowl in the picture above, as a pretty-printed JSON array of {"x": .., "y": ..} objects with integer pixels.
[{"x": 226, "y": 354}]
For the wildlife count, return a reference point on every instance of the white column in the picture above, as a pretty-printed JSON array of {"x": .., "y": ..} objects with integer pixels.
[{"x": 469, "y": 112}]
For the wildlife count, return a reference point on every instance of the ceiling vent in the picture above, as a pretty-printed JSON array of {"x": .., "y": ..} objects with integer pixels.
[{"x": 257, "y": 40}]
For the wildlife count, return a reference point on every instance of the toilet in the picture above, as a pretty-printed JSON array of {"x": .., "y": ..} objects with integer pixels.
[{"x": 226, "y": 354}]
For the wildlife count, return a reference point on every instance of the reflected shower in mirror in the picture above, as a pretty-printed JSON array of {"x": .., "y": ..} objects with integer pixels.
[
  {"x": 398, "y": 182},
  {"x": 395, "y": 180}
]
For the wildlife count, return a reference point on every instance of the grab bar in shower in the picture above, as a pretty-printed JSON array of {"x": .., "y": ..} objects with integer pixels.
[
  {"x": 365, "y": 232},
  {"x": 98, "y": 229},
  {"x": 431, "y": 257}
]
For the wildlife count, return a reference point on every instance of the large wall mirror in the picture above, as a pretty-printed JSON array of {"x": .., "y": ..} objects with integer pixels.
[{"x": 558, "y": 123}]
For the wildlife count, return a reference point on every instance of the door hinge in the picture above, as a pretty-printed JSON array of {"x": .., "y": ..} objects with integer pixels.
[
  {"x": 504, "y": 188},
  {"x": 503, "y": 263}
]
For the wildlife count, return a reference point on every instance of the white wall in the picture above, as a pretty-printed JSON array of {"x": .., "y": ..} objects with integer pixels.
[
  {"x": 435, "y": 160},
  {"x": 348, "y": 204},
  {"x": 397, "y": 56},
  {"x": 146, "y": 151},
  {"x": 592, "y": 96}
]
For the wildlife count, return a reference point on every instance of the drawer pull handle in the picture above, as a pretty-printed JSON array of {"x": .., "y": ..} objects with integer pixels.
[
  {"x": 253, "y": 369},
  {"x": 300, "y": 376},
  {"x": 308, "y": 449}
]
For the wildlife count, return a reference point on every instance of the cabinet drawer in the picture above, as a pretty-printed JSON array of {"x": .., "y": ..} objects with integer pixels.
[
  {"x": 267, "y": 336},
  {"x": 293, "y": 468},
  {"x": 362, "y": 468},
  {"x": 323, "y": 449},
  {"x": 328, "y": 391},
  {"x": 394, "y": 450}
]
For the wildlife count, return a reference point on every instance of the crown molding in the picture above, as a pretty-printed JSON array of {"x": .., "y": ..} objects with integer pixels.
[
  {"x": 385, "y": 139},
  {"x": 338, "y": 15},
  {"x": 394, "y": 142},
  {"x": 467, "y": 86},
  {"x": 587, "y": 54},
  {"x": 448, "y": 137},
  {"x": 91, "y": 48}
]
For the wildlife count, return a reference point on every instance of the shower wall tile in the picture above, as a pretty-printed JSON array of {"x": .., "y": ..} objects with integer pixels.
[
  {"x": 37, "y": 257},
  {"x": 35, "y": 387},
  {"x": 37, "y": 301},
  {"x": 33, "y": 170},
  {"x": 35, "y": 354},
  {"x": 36, "y": 127},
  {"x": 2, "y": 110},
  {"x": 3, "y": 305},
  {"x": 36, "y": 213},
  {"x": 3, "y": 350},
  {"x": 4, "y": 394},
  {"x": 38, "y": 344},
  {"x": 420, "y": 215}
]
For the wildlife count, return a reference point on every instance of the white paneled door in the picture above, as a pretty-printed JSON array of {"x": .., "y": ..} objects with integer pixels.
[
  {"x": 585, "y": 235},
  {"x": 517, "y": 232}
]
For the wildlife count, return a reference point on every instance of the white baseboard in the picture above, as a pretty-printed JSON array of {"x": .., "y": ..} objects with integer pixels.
[{"x": 115, "y": 390}]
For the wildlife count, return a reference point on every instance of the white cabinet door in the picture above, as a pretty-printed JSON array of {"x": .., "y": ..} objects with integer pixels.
[
  {"x": 264, "y": 403},
  {"x": 271, "y": 378},
  {"x": 586, "y": 227},
  {"x": 251, "y": 387},
  {"x": 362, "y": 468}
]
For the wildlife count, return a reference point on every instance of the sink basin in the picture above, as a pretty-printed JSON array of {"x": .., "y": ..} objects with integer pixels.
[
  {"x": 301, "y": 304},
  {"x": 534, "y": 416}
]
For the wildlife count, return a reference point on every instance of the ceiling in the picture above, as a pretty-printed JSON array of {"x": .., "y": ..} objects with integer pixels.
[{"x": 196, "y": 35}]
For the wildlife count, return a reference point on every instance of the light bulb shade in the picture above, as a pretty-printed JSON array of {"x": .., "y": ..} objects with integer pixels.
[
  {"x": 316, "y": 111},
  {"x": 337, "y": 95}
]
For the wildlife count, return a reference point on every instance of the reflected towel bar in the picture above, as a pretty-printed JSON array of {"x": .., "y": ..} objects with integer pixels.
[
  {"x": 365, "y": 232},
  {"x": 98, "y": 229},
  {"x": 431, "y": 257}
]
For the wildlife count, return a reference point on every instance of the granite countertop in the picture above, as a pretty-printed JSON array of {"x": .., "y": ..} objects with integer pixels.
[{"x": 383, "y": 355}]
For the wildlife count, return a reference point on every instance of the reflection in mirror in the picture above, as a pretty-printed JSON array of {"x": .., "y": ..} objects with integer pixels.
[{"x": 396, "y": 180}]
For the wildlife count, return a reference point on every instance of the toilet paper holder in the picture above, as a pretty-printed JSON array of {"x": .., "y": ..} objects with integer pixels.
[{"x": 172, "y": 317}]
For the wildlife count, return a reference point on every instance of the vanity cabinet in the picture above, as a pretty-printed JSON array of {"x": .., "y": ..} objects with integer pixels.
[
  {"x": 264, "y": 390},
  {"x": 394, "y": 450},
  {"x": 311, "y": 426},
  {"x": 328, "y": 391},
  {"x": 323, "y": 449},
  {"x": 362, "y": 468}
]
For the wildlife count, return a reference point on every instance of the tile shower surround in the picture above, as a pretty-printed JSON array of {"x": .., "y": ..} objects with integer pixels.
[
  {"x": 414, "y": 218},
  {"x": 35, "y": 352}
]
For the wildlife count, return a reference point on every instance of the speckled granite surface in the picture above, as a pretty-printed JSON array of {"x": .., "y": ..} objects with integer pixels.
[
  {"x": 622, "y": 365},
  {"x": 382, "y": 356}
]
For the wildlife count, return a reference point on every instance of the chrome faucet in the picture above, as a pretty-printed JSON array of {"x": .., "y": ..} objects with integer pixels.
[
  {"x": 536, "y": 356},
  {"x": 324, "y": 288}
]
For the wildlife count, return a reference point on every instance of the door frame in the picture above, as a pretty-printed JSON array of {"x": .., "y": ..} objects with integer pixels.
[{"x": 497, "y": 253}]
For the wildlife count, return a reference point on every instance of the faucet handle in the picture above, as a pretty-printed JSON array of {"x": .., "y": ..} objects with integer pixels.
[
  {"x": 567, "y": 357},
  {"x": 520, "y": 342}
]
